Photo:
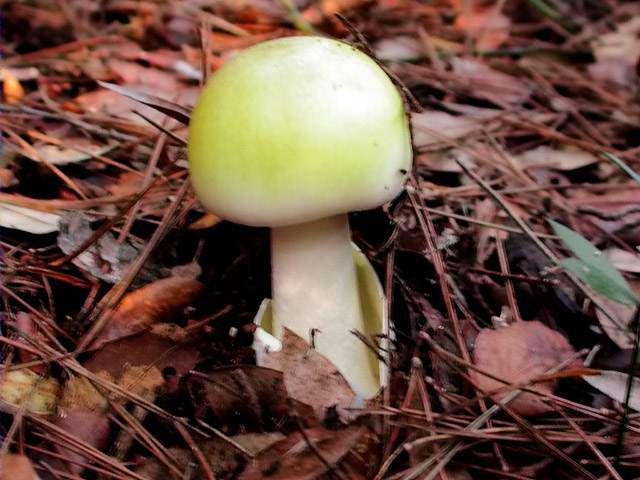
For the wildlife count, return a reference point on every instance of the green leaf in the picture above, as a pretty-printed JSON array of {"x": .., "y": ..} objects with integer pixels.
[
  {"x": 593, "y": 267},
  {"x": 598, "y": 280},
  {"x": 623, "y": 166}
]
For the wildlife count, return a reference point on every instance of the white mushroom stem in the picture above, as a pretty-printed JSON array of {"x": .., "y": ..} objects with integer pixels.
[{"x": 315, "y": 287}]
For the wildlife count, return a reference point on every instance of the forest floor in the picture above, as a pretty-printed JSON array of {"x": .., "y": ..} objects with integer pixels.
[{"x": 510, "y": 263}]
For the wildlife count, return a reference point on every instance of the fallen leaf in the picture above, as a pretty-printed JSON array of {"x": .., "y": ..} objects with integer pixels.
[
  {"x": 164, "y": 353},
  {"x": 308, "y": 376},
  {"x": 592, "y": 267},
  {"x": 72, "y": 150},
  {"x": 12, "y": 91},
  {"x": 489, "y": 27},
  {"x": 623, "y": 260},
  {"x": 225, "y": 460},
  {"x": 28, "y": 329},
  {"x": 132, "y": 73},
  {"x": 138, "y": 95},
  {"x": 106, "y": 259},
  {"x": 518, "y": 353},
  {"x": 26, "y": 389},
  {"x": 614, "y": 206},
  {"x": 21, "y": 74},
  {"x": 16, "y": 467},
  {"x": 138, "y": 311},
  {"x": 7, "y": 178},
  {"x": 433, "y": 128},
  {"x": 482, "y": 81},
  {"x": 619, "y": 332},
  {"x": 399, "y": 49},
  {"x": 81, "y": 394},
  {"x": 28, "y": 219},
  {"x": 208, "y": 220},
  {"x": 614, "y": 385},
  {"x": 616, "y": 54},
  {"x": 567, "y": 159},
  {"x": 90, "y": 427},
  {"x": 252, "y": 397},
  {"x": 614, "y": 71},
  {"x": 293, "y": 458}
]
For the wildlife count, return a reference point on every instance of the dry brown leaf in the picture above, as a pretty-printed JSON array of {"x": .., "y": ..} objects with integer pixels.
[
  {"x": 71, "y": 150},
  {"x": 518, "y": 353},
  {"x": 7, "y": 178},
  {"x": 489, "y": 27},
  {"x": 132, "y": 73},
  {"x": 106, "y": 259},
  {"x": 159, "y": 301},
  {"x": 399, "y": 49},
  {"x": 616, "y": 54},
  {"x": 308, "y": 376},
  {"x": 224, "y": 459},
  {"x": 623, "y": 260},
  {"x": 619, "y": 332},
  {"x": 569, "y": 158},
  {"x": 614, "y": 216},
  {"x": 16, "y": 467},
  {"x": 251, "y": 397},
  {"x": 293, "y": 459},
  {"x": 91, "y": 427},
  {"x": 433, "y": 128},
  {"x": 109, "y": 102},
  {"x": 482, "y": 81},
  {"x": 163, "y": 352}
]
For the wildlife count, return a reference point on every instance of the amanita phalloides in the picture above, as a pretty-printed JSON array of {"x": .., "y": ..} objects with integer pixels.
[{"x": 293, "y": 134}]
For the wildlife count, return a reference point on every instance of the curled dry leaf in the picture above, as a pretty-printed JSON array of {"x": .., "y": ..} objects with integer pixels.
[
  {"x": 159, "y": 301},
  {"x": 293, "y": 458},
  {"x": 254, "y": 397},
  {"x": 24, "y": 389},
  {"x": 28, "y": 219},
  {"x": 516, "y": 354},
  {"x": 308, "y": 376},
  {"x": 17, "y": 467}
]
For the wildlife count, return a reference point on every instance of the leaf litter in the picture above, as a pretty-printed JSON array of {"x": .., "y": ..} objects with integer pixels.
[{"x": 531, "y": 95}]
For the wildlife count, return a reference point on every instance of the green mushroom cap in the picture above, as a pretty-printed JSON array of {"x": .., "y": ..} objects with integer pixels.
[{"x": 297, "y": 129}]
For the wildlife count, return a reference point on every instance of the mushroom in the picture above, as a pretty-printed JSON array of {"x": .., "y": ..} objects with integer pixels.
[{"x": 293, "y": 134}]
